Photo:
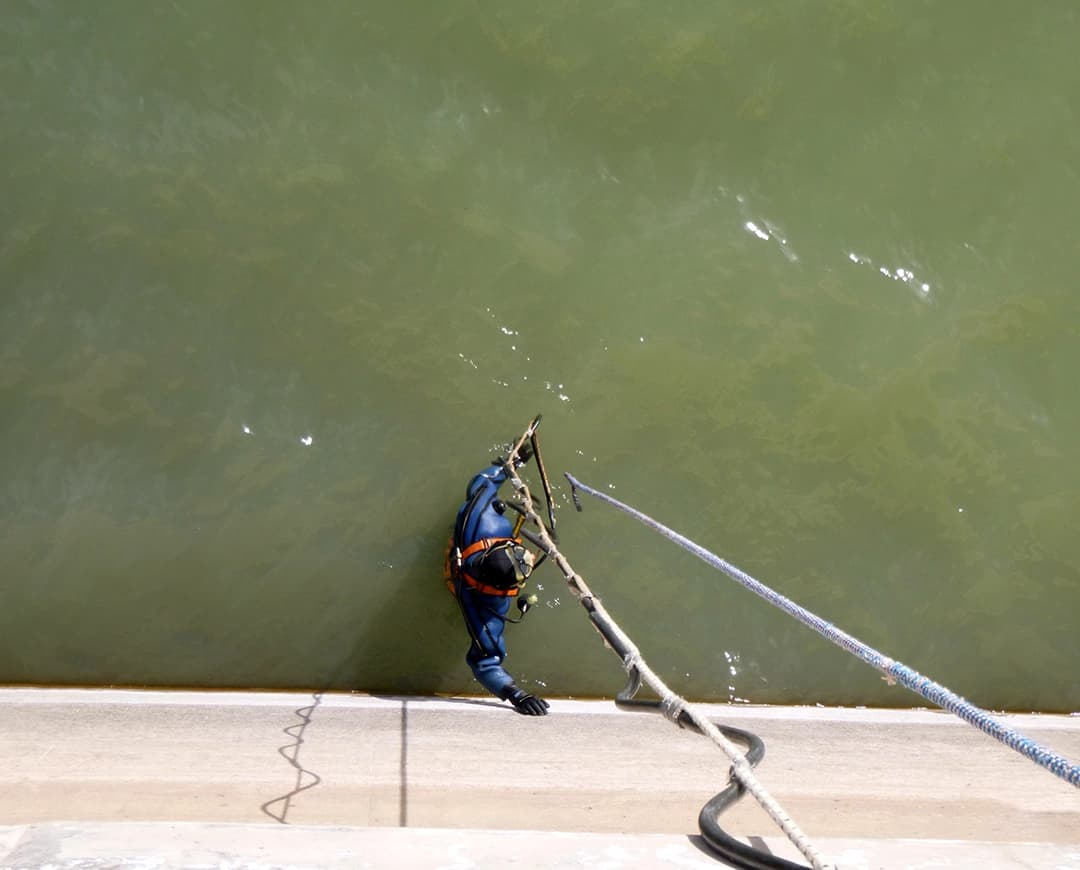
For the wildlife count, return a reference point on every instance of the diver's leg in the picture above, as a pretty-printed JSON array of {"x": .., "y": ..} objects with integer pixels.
[{"x": 485, "y": 619}]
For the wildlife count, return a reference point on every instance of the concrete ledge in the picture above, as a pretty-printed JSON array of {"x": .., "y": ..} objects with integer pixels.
[
  {"x": 140, "y": 846},
  {"x": 282, "y": 779}
]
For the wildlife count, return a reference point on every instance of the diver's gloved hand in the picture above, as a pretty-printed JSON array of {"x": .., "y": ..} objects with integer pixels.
[
  {"x": 524, "y": 454},
  {"x": 526, "y": 703}
]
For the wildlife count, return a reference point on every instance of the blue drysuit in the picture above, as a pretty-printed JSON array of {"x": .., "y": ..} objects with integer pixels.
[{"x": 485, "y": 615}]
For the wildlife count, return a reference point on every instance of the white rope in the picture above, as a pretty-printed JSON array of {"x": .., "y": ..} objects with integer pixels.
[{"x": 671, "y": 703}]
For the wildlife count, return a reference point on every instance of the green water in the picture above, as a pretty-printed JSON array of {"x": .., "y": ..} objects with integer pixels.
[{"x": 797, "y": 279}]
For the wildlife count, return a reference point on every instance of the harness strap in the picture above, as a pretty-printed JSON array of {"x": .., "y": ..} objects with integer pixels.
[
  {"x": 488, "y": 590},
  {"x": 482, "y": 544},
  {"x": 472, "y": 549}
]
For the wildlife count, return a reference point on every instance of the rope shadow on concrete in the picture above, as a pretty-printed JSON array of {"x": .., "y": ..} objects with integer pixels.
[
  {"x": 291, "y": 753},
  {"x": 381, "y": 654}
]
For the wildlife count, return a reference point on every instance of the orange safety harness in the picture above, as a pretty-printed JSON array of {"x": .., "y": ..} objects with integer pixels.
[{"x": 455, "y": 562}]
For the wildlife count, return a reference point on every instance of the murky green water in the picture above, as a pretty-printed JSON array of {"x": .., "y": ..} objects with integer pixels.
[{"x": 796, "y": 279}]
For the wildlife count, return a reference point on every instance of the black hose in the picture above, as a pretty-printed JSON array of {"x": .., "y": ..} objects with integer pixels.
[
  {"x": 723, "y": 845},
  {"x": 546, "y": 483}
]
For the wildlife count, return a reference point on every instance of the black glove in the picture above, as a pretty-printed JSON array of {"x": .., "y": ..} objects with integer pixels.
[{"x": 527, "y": 704}]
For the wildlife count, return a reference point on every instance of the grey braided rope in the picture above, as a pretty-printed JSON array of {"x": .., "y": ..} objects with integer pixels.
[{"x": 893, "y": 670}]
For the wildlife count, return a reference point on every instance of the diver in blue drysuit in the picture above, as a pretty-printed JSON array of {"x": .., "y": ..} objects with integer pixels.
[{"x": 487, "y": 566}]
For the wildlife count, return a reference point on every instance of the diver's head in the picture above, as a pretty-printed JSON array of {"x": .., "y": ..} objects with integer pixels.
[{"x": 506, "y": 565}]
